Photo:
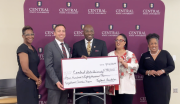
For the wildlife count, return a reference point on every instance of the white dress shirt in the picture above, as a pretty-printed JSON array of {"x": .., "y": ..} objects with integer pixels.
[
  {"x": 60, "y": 46},
  {"x": 86, "y": 43}
]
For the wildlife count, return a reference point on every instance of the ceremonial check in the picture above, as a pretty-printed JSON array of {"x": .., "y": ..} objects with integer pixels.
[{"x": 90, "y": 72}]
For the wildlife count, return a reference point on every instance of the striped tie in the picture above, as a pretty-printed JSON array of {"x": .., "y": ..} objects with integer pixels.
[
  {"x": 64, "y": 50},
  {"x": 89, "y": 48}
]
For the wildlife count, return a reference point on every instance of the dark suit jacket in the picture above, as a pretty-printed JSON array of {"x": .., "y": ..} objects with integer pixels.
[
  {"x": 52, "y": 58},
  {"x": 98, "y": 49}
]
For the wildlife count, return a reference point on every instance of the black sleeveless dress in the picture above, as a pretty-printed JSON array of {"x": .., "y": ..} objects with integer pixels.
[{"x": 27, "y": 92}]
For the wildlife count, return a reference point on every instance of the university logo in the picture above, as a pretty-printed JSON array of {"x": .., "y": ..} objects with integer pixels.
[
  {"x": 82, "y": 27},
  {"x": 124, "y": 5},
  {"x": 53, "y": 26},
  {"x": 68, "y": 4},
  {"x": 39, "y": 8},
  {"x": 137, "y": 27},
  {"x": 97, "y": 5},
  {"x": 142, "y": 99},
  {"x": 151, "y": 5},
  {"x": 110, "y": 27},
  {"x": 138, "y": 77},
  {"x": 40, "y": 50},
  {"x": 39, "y": 96},
  {"x": 39, "y": 3}
]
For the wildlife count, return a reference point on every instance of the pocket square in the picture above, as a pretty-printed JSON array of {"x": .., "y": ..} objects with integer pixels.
[
  {"x": 147, "y": 58},
  {"x": 96, "y": 50}
]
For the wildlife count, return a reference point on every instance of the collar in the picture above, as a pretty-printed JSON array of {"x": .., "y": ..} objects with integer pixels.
[
  {"x": 87, "y": 41},
  {"x": 58, "y": 42}
]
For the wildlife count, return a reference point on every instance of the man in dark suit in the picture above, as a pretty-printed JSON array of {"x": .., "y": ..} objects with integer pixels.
[
  {"x": 89, "y": 47},
  {"x": 53, "y": 53}
]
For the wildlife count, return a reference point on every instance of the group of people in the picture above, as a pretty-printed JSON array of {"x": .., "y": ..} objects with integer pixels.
[{"x": 155, "y": 65}]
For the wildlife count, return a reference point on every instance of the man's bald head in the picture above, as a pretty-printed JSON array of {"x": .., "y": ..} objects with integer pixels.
[
  {"x": 88, "y": 26},
  {"x": 88, "y": 32}
]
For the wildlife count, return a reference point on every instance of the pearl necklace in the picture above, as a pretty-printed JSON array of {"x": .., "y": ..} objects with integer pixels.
[{"x": 155, "y": 53}]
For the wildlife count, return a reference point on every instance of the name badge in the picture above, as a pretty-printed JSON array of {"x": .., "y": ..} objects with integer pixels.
[{"x": 147, "y": 58}]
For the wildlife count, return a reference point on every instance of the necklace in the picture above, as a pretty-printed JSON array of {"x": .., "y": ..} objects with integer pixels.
[{"x": 155, "y": 53}]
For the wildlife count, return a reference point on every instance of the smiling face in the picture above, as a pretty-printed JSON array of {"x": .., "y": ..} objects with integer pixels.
[
  {"x": 88, "y": 32},
  {"x": 153, "y": 45},
  {"x": 120, "y": 42},
  {"x": 28, "y": 36},
  {"x": 60, "y": 33}
]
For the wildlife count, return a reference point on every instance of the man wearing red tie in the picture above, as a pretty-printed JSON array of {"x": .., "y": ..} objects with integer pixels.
[{"x": 53, "y": 53}]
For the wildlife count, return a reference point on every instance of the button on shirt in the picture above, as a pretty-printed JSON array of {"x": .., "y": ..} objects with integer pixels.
[{"x": 59, "y": 44}]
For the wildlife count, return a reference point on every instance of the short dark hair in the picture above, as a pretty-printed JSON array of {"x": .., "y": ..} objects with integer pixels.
[
  {"x": 125, "y": 39},
  {"x": 150, "y": 36},
  {"x": 26, "y": 28},
  {"x": 58, "y": 26}
]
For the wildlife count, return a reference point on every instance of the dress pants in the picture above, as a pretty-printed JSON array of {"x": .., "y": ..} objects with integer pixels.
[{"x": 57, "y": 96}]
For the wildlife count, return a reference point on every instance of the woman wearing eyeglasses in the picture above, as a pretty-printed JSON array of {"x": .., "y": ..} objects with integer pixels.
[
  {"x": 28, "y": 79},
  {"x": 128, "y": 65}
]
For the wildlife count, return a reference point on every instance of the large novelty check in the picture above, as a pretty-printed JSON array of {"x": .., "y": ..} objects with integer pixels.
[{"x": 90, "y": 72}]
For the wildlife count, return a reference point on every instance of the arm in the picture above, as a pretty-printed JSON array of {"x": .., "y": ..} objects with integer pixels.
[
  {"x": 141, "y": 69},
  {"x": 133, "y": 65},
  {"x": 104, "y": 50},
  {"x": 170, "y": 64},
  {"x": 24, "y": 61},
  {"x": 48, "y": 58}
]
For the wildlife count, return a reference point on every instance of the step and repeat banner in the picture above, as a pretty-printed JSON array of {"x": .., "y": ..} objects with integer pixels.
[{"x": 134, "y": 18}]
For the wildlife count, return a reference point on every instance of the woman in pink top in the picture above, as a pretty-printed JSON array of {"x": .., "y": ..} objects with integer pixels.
[{"x": 128, "y": 65}]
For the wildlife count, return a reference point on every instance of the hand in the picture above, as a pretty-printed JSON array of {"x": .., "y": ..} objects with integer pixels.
[
  {"x": 60, "y": 86},
  {"x": 122, "y": 62},
  {"x": 159, "y": 72},
  {"x": 38, "y": 82},
  {"x": 83, "y": 56},
  {"x": 152, "y": 72}
]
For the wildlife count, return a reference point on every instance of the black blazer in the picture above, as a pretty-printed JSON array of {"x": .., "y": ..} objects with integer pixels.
[{"x": 98, "y": 49}]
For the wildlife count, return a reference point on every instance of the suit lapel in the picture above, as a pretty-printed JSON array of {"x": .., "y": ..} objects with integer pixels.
[
  {"x": 67, "y": 47},
  {"x": 93, "y": 47},
  {"x": 83, "y": 47},
  {"x": 57, "y": 46}
]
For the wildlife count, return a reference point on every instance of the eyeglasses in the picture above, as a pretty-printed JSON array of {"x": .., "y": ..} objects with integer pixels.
[
  {"x": 121, "y": 40},
  {"x": 29, "y": 34}
]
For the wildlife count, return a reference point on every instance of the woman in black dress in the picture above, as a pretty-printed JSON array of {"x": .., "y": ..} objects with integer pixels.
[
  {"x": 27, "y": 79},
  {"x": 156, "y": 65}
]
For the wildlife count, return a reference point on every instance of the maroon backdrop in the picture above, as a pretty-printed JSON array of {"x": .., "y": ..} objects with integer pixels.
[{"x": 134, "y": 18}]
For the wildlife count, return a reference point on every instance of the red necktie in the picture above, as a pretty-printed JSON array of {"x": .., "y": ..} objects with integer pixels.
[{"x": 64, "y": 50}]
